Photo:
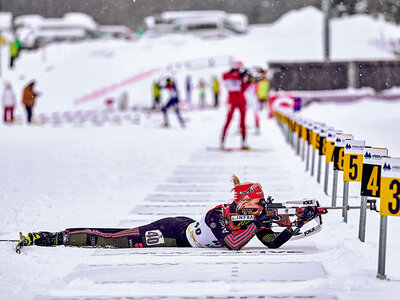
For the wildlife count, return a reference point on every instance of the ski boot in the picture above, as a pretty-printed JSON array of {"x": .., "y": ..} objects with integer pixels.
[
  {"x": 165, "y": 119},
  {"x": 182, "y": 122},
  {"x": 222, "y": 143},
  {"x": 42, "y": 238},
  {"x": 244, "y": 145}
]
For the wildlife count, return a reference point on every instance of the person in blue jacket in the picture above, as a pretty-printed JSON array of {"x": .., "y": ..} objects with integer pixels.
[{"x": 173, "y": 101}]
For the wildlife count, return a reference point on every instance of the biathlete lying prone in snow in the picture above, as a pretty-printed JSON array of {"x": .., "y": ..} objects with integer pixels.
[{"x": 230, "y": 225}]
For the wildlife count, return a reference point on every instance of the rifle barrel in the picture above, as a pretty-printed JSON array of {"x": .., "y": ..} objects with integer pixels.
[{"x": 343, "y": 207}]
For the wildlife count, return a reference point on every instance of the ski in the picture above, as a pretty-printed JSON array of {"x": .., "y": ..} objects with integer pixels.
[
  {"x": 236, "y": 149},
  {"x": 243, "y": 252},
  {"x": 21, "y": 243}
]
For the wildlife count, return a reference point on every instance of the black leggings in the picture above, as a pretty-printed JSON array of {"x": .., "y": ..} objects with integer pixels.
[
  {"x": 167, "y": 232},
  {"x": 28, "y": 113}
]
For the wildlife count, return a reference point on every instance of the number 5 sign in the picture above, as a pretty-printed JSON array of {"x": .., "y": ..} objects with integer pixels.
[
  {"x": 390, "y": 187},
  {"x": 353, "y": 160}
]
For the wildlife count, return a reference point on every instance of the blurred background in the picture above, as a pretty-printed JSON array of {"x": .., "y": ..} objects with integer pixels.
[{"x": 132, "y": 12}]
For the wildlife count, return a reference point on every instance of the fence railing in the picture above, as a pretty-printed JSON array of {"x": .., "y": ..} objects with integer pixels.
[
  {"x": 378, "y": 173},
  {"x": 306, "y": 76},
  {"x": 200, "y": 63}
]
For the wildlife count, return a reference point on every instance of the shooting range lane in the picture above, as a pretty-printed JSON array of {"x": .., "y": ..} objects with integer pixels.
[{"x": 192, "y": 189}]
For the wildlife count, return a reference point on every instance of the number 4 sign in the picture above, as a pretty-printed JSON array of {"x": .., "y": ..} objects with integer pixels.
[
  {"x": 371, "y": 172},
  {"x": 390, "y": 187}
]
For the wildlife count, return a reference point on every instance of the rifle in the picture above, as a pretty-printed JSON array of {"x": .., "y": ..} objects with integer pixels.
[
  {"x": 252, "y": 74},
  {"x": 285, "y": 213}
]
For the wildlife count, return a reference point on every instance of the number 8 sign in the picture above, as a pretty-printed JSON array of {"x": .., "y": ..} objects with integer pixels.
[{"x": 390, "y": 187}]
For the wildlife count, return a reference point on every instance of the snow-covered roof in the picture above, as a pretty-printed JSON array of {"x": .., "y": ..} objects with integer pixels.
[
  {"x": 65, "y": 32},
  {"x": 80, "y": 18},
  {"x": 197, "y": 20},
  {"x": 5, "y": 20},
  {"x": 28, "y": 20},
  {"x": 171, "y": 15}
]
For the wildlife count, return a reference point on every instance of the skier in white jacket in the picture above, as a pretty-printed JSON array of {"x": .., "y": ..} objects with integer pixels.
[{"x": 8, "y": 101}]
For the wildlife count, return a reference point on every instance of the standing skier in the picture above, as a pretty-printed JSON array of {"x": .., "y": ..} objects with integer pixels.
[
  {"x": 202, "y": 92},
  {"x": 263, "y": 90},
  {"x": 188, "y": 88},
  {"x": 236, "y": 82},
  {"x": 8, "y": 101},
  {"x": 156, "y": 91},
  {"x": 230, "y": 225},
  {"x": 170, "y": 86},
  {"x": 215, "y": 90}
]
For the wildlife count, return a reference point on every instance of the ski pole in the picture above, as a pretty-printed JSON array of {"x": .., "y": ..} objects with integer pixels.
[{"x": 18, "y": 247}]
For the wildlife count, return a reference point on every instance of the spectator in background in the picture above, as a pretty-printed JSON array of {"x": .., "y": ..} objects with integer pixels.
[
  {"x": 253, "y": 102},
  {"x": 18, "y": 43},
  {"x": 8, "y": 101},
  {"x": 188, "y": 88},
  {"x": 14, "y": 51},
  {"x": 156, "y": 89},
  {"x": 215, "y": 90},
  {"x": 202, "y": 92},
  {"x": 29, "y": 99},
  {"x": 263, "y": 91}
]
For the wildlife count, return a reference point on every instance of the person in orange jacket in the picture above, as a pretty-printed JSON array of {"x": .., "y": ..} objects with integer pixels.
[{"x": 29, "y": 99}]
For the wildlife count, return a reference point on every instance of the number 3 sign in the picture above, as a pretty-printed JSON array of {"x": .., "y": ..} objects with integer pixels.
[{"x": 390, "y": 187}]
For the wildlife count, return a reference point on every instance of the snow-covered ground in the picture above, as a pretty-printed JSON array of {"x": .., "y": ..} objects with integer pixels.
[{"x": 101, "y": 173}]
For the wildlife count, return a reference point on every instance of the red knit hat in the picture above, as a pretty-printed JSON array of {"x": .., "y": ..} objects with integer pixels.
[{"x": 248, "y": 191}]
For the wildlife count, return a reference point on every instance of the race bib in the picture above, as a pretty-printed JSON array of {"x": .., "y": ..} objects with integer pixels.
[
  {"x": 200, "y": 235},
  {"x": 233, "y": 85},
  {"x": 154, "y": 237}
]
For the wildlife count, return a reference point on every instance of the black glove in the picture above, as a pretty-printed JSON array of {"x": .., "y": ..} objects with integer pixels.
[
  {"x": 242, "y": 72},
  {"x": 310, "y": 212},
  {"x": 265, "y": 221}
]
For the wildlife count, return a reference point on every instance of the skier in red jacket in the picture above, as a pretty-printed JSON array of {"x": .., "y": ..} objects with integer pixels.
[{"x": 236, "y": 82}]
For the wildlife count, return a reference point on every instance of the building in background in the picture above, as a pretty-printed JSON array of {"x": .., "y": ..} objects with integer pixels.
[
  {"x": 36, "y": 31},
  {"x": 205, "y": 23},
  {"x": 6, "y": 34}
]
